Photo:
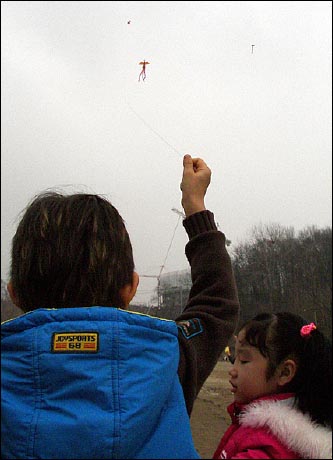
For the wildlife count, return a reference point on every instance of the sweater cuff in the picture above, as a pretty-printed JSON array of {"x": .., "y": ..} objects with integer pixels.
[{"x": 199, "y": 222}]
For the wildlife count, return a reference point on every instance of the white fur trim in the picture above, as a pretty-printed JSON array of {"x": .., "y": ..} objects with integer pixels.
[{"x": 293, "y": 428}]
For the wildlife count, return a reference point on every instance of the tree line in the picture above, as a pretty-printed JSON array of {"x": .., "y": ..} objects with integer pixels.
[
  {"x": 275, "y": 270},
  {"x": 280, "y": 271}
]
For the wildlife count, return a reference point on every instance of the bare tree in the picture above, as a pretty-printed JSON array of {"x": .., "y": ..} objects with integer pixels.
[{"x": 277, "y": 270}]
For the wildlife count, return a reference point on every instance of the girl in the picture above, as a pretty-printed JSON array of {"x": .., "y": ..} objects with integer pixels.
[{"x": 281, "y": 381}]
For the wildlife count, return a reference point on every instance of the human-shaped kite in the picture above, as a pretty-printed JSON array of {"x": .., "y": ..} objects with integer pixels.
[{"x": 143, "y": 71}]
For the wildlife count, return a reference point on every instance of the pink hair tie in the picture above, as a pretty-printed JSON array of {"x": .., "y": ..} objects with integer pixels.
[{"x": 307, "y": 329}]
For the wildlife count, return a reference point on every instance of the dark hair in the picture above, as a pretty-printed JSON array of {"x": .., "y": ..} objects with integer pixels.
[
  {"x": 277, "y": 336},
  {"x": 70, "y": 251}
]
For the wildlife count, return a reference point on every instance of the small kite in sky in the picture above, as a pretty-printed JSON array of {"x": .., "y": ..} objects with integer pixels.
[
  {"x": 143, "y": 71},
  {"x": 128, "y": 22},
  {"x": 252, "y": 48}
]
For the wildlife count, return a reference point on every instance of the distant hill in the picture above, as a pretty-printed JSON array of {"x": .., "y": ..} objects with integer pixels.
[
  {"x": 8, "y": 309},
  {"x": 4, "y": 292}
]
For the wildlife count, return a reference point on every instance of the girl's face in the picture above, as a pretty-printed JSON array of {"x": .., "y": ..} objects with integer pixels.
[{"x": 248, "y": 373}]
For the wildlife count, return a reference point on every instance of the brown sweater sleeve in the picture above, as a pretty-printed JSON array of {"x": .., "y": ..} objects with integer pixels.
[{"x": 213, "y": 300}]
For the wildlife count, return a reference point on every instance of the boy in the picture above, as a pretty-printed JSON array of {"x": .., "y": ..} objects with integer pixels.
[{"x": 84, "y": 380}]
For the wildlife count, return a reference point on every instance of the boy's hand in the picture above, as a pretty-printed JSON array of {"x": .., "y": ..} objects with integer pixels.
[{"x": 195, "y": 181}]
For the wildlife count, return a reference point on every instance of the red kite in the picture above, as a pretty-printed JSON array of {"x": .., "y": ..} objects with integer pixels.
[{"x": 143, "y": 71}]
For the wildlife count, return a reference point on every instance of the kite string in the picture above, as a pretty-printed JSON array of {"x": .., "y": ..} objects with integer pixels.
[
  {"x": 178, "y": 153},
  {"x": 153, "y": 130},
  {"x": 173, "y": 236}
]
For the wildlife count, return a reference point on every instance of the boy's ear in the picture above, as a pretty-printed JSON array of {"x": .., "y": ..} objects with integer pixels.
[
  {"x": 129, "y": 290},
  {"x": 287, "y": 371},
  {"x": 12, "y": 294}
]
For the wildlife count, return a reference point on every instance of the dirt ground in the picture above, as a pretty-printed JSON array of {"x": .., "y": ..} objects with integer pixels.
[{"x": 209, "y": 418}]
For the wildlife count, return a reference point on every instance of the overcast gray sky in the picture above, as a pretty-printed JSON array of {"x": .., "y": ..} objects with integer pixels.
[{"x": 75, "y": 117}]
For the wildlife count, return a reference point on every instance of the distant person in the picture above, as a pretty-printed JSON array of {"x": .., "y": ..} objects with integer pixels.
[
  {"x": 82, "y": 376},
  {"x": 282, "y": 384},
  {"x": 226, "y": 353},
  {"x": 229, "y": 351}
]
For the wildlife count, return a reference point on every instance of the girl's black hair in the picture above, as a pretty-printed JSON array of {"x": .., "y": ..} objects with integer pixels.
[{"x": 278, "y": 337}]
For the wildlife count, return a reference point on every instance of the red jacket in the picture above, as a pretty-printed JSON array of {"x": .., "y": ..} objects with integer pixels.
[{"x": 272, "y": 427}]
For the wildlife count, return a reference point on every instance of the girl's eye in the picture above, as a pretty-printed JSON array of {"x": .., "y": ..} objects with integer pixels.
[{"x": 242, "y": 361}]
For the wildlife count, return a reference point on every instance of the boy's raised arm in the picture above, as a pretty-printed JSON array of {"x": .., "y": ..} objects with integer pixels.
[{"x": 211, "y": 313}]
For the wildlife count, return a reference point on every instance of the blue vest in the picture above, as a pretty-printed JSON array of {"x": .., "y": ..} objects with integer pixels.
[{"x": 96, "y": 382}]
